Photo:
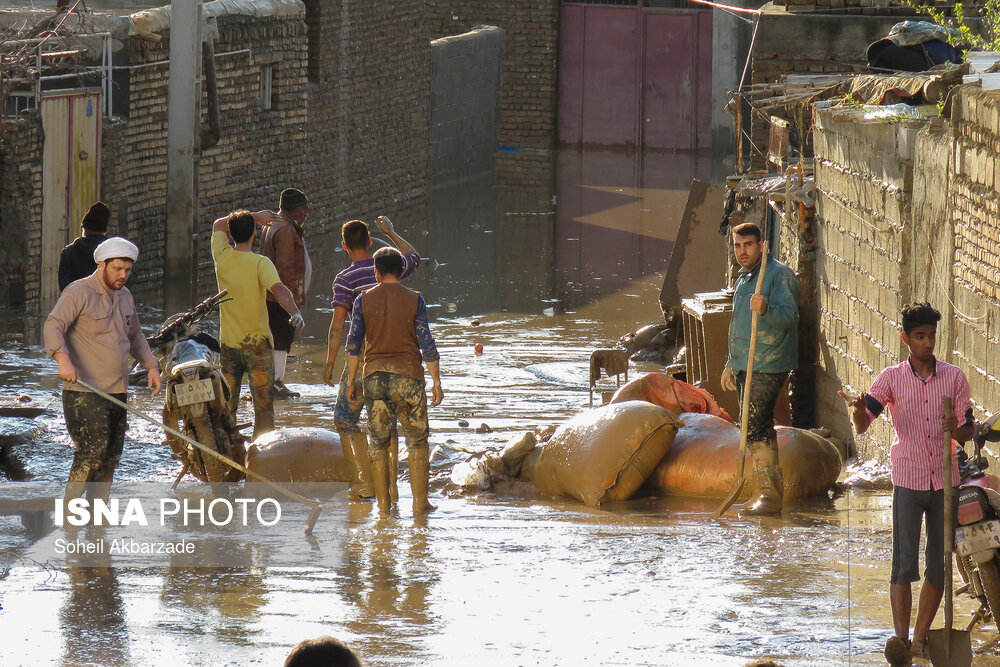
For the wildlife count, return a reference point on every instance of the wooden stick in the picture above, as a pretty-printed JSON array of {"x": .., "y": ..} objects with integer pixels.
[
  {"x": 741, "y": 479},
  {"x": 314, "y": 505},
  {"x": 949, "y": 533}
]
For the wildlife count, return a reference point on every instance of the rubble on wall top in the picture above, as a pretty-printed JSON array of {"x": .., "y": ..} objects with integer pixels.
[{"x": 157, "y": 20}]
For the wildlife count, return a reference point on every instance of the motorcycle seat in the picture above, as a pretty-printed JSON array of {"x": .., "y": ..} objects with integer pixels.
[{"x": 194, "y": 363}]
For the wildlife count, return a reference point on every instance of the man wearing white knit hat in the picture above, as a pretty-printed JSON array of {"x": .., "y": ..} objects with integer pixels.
[{"x": 91, "y": 332}]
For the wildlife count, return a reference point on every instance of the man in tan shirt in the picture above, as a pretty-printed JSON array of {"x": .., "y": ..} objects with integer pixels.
[{"x": 91, "y": 333}]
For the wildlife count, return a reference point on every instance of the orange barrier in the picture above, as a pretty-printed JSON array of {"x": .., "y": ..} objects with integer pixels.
[
  {"x": 702, "y": 461},
  {"x": 674, "y": 395}
]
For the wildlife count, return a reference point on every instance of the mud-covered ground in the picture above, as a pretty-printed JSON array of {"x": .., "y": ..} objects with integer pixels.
[{"x": 485, "y": 580}]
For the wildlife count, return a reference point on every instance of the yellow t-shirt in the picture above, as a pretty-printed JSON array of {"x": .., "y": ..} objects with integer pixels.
[{"x": 247, "y": 276}]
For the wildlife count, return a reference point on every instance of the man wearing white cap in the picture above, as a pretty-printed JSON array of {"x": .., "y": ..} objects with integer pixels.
[{"x": 91, "y": 333}]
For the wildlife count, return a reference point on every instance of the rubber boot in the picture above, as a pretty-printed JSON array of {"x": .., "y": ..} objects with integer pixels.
[
  {"x": 420, "y": 479},
  {"x": 394, "y": 467},
  {"x": 355, "y": 446},
  {"x": 380, "y": 480},
  {"x": 770, "y": 484}
]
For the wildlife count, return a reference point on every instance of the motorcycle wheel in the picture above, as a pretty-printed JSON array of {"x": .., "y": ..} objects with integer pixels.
[
  {"x": 991, "y": 585},
  {"x": 215, "y": 470}
]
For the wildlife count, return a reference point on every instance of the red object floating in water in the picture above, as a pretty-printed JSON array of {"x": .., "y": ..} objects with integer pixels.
[{"x": 479, "y": 348}]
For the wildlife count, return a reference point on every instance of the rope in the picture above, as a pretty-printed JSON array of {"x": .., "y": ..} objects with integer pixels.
[
  {"x": 741, "y": 10},
  {"x": 944, "y": 283},
  {"x": 831, "y": 197}
]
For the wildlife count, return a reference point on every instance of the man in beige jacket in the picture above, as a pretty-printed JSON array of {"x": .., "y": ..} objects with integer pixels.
[{"x": 91, "y": 333}]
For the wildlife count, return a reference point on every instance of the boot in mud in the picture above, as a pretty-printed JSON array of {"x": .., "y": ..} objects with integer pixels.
[
  {"x": 355, "y": 446},
  {"x": 770, "y": 483},
  {"x": 394, "y": 467},
  {"x": 380, "y": 480},
  {"x": 420, "y": 479}
]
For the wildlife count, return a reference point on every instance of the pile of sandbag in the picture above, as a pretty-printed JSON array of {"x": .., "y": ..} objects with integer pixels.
[
  {"x": 667, "y": 392},
  {"x": 702, "y": 461},
  {"x": 299, "y": 455},
  {"x": 602, "y": 454}
]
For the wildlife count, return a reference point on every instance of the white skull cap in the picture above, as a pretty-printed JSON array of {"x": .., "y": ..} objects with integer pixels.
[{"x": 114, "y": 248}]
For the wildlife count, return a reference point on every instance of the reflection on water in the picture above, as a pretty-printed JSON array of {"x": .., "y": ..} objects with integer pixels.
[{"x": 493, "y": 580}]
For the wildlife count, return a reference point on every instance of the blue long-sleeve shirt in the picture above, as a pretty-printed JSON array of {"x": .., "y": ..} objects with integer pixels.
[
  {"x": 777, "y": 329},
  {"x": 356, "y": 337}
]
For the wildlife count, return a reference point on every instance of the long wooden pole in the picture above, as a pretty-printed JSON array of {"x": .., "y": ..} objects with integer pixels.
[
  {"x": 949, "y": 534},
  {"x": 312, "y": 504},
  {"x": 741, "y": 479}
]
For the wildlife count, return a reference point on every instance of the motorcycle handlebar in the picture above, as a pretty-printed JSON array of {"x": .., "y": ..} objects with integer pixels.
[{"x": 186, "y": 319}]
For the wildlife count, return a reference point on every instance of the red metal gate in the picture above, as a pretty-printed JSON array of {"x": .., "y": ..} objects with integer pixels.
[{"x": 635, "y": 76}]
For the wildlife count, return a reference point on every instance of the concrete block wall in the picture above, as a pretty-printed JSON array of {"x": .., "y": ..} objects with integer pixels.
[
  {"x": 528, "y": 104},
  {"x": 863, "y": 215},
  {"x": 789, "y": 43},
  {"x": 465, "y": 118}
]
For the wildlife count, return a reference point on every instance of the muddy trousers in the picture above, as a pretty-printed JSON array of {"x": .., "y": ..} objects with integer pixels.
[
  {"x": 257, "y": 362},
  {"x": 390, "y": 397},
  {"x": 346, "y": 418},
  {"x": 97, "y": 428},
  {"x": 762, "y": 440}
]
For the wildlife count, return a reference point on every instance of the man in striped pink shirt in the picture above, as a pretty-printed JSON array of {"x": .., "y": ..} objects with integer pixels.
[{"x": 912, "y": 391}]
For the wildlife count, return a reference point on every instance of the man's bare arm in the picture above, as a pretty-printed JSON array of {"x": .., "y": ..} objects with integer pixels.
[
  {"x": 437, "y": 393},
  {"x": 385, "y": 226},
  {"x": 335, "y": 338}
]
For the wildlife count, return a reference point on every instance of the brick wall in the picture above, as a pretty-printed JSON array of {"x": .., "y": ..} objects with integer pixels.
[
  {"x": 528, "y": 104},
  {"x": 20, "y": 200},
  {"x": 369, "y": 110}
]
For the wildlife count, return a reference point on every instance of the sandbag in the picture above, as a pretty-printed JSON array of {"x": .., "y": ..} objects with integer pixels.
[
  {"x": 674, "y": 395},
  {"x": 605, "y": 453},
  {"x": 299, "y": 455},
  {"x": 702, "y": 461}
]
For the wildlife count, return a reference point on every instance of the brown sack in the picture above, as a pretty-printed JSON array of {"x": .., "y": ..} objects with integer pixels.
[
  {"x": 299, "y": 455},
  {"x": 702, "y": 461},
  {"x": 605, "y": 453}
]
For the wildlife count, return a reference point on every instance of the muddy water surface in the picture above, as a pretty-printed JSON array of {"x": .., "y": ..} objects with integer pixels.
[{"x": 504, "y": 581}]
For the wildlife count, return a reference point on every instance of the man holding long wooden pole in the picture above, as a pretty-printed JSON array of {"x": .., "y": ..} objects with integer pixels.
[{"x": 776, "y": 354}]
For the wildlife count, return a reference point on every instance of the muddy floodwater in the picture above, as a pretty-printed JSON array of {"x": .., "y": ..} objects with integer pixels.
[{"x": 485, "y": 580}]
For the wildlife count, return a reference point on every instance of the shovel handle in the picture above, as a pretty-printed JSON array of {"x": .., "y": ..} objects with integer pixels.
[{"x": 949, "y": 528}]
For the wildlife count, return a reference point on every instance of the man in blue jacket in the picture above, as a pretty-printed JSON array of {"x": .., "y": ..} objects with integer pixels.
[{"x": 776, "y": 355}]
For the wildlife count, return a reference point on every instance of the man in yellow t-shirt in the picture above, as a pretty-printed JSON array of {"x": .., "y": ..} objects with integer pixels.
[{"x": 244, "y": 332}]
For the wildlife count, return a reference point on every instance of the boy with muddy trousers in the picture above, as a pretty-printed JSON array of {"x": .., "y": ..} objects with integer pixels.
[
  {"x": 912, "y": 392},
  {"x": 776, "y": 355},
  {"x": 389, "y": 322},
  {"x": 348, "y": 284}
]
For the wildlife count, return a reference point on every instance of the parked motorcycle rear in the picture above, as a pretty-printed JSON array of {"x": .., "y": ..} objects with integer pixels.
[
  {"x": 977, "y": 535},
  {"x": 196, "y": 396}
]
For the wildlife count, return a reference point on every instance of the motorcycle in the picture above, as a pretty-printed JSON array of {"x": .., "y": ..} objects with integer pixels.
[
  {"x": 977, "y": 533},
  {"x": 196, "y": 396}
]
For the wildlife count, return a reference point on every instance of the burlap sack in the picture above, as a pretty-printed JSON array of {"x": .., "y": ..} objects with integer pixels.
[
  {"x": 299, "y": 455},
  {"x": 703, "y": 458},
  {"x": 605, "y": 453}
]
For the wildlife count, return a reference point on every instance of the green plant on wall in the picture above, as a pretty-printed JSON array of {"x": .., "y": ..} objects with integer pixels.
[{"x": 967, "y": 37}]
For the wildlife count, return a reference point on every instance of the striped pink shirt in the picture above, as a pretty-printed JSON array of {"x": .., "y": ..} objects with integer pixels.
[{"x": 915, "y": 407}]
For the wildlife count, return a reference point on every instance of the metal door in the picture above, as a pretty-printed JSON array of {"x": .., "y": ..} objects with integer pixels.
[
  {"x": 637, "y": 76},
  {"x": 71, "y": 121}
]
